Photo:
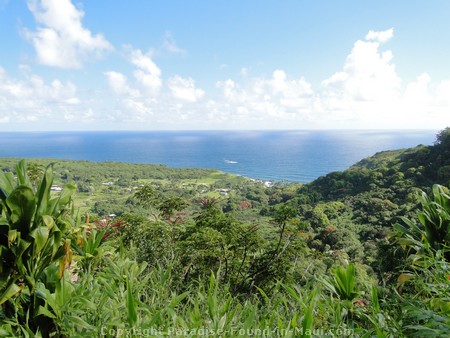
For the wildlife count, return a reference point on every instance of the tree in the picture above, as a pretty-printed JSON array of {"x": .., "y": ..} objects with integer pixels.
[
  {"x": 170, "y": 206},
  {"x": 147, "y": 198},
  {"x": 217, "y": 240},
  {"x": 443, "y": 137}
]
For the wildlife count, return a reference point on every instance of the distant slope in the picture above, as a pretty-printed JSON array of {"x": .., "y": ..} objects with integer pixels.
[{"x": 397, "y": 170}]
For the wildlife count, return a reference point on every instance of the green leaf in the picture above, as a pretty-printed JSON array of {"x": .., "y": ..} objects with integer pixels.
[
  {"x": 42, "y": 311},
  {"x": 56, "y": 205},
  {"x": 63, "y": 291},
  {"x": 12, "y": 236},
  {"x": 80, "y": 323},
  {"x": 22, "y": 205},
  {"x": 178, "y": 299},
  {"x": 40, "y": 236},
  {"x": 404, "y": 277},
  {"x": 131, "y": 306},
  {"x": 48, "y": 221},
  {"x": 66, "y": 194},
  {"x": 222, "y": 322},
  {"x": 43, "y": 193},
  {"x": 12, "y": 290},
  {"x": 22, "y": 176},
  {"x": 6, "y": 184},
  {"x": 292, "y": 292},
  {"x": 375, "y": 300},
  {"x": 21, "y": 247}
]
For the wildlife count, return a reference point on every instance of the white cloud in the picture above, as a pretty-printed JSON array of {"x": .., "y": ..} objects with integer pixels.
[
  {"x": 147, "y": 73},
  {"x": 418, "y": 92},
  {"x": 443, "y": 92},
  {"x": 267, "y": 102},
  {"x": 136, "y": 100},
  {"x": 366, "y": 92},
  {"x": 184, "y": 89},
  {"x": 60, "y": 39},
  {"x": 119, "y": 84},
  {"x": 368, "y": 74},
  {"x": 32, "y": 99},
  {"x": 380, "y": 36}
]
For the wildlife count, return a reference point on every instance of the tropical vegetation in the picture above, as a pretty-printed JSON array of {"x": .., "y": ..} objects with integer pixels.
[{"x": 126, "y": 250}]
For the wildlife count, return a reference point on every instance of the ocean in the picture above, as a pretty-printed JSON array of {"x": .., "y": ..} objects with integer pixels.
[{"x": 298, "y": 156}]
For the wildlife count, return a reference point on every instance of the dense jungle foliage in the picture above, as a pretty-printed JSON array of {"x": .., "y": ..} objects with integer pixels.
[{"x": 127, "y": 250}]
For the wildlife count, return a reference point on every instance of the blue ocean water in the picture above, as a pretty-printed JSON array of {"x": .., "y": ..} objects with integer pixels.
[{"x": 299, "y": 156}]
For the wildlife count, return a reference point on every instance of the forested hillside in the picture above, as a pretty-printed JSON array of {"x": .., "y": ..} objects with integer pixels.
[{"x": 115, "y": 249}]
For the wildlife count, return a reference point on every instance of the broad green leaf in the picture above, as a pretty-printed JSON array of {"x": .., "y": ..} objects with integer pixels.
[
  {"x": 63, "y": 291},
  {"x": 43, "y": 191},
  {"x": 40, "y": 236},
  {"x": 6, "y": 184},
  {"x": 66, "y": 194},
  {"x": 12, "y": 290},
  {"x": 21, "y": 247},
  {"x": 22, "y": 205},
  {"x": 42, "y": 311},
  {"x": 48, "y": 221},
  {"x": 22, "y": 176}
]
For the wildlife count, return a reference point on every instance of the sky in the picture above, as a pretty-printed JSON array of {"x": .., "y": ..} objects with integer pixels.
[{"x": 224, "y": 65}]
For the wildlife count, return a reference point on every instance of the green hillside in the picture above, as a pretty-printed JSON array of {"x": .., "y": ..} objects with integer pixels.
[{"x": 114, "y": 249}]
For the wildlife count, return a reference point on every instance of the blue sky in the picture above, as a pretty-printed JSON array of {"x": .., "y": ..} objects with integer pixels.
[{"x": 160, "y": 65}]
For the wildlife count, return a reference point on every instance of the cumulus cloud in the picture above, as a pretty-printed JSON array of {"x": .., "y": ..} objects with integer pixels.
[
  {"x": 278, "y": 99},
  {"x": 417, "y": 92},
  {"x": 381, "y": 37},
  {"x": 366, "y": 92},
  {"x": 137, "y": 97},
  {"x": 365, "y": 89},
  {"x": 184, "y": 89},
  {"x": 287, "y": 90},
  {"x": 443, "y": 93},
  {"x": 147, "y": 73},
  {"x": 32, "y": 99},
  {"x": 119, "y": 84},
  {"x": 60, "y": 39},
  {"x": 368, "y": 74},
  {"x": 145, "y": 97}
]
